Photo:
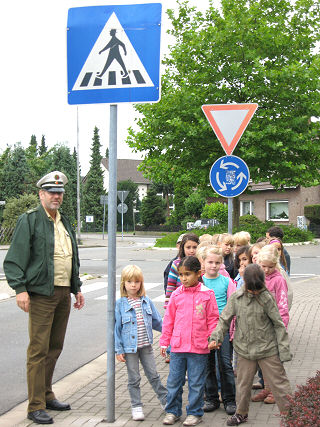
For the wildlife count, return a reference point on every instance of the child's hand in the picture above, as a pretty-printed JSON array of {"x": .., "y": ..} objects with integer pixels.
[
  {"x": 213, "y": 345},
  {"x": 163, "y": 351},
  {"x": 121, "y": 357}
]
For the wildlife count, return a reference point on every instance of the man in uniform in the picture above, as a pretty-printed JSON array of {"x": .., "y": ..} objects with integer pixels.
[{"x": 42, "y": 266}]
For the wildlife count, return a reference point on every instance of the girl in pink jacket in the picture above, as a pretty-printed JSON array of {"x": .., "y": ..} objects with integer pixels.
[{"x": 191, "y": 316}]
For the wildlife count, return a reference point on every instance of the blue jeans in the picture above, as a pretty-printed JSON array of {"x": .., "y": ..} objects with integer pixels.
[
  {"x": 180, "y": 363},
  {"x": 228, "y": 388},
  {"x": 146, "y": 356}
]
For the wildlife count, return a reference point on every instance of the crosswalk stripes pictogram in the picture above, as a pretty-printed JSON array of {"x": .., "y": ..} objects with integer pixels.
[
  {"x": 112, "y": 62},
  {"x": 112, "y": 79}
]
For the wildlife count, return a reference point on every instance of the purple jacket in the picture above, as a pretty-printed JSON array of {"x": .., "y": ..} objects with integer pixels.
[
  {"x": 191, "y": 315},
  {"x": 277, "y": 285}
]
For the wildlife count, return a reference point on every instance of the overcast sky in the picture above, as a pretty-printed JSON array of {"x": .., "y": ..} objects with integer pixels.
[{"x": 34, "y": 78}]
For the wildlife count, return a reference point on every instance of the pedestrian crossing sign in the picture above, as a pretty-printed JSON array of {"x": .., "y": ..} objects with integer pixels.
[{"x": 113, "y": 53}]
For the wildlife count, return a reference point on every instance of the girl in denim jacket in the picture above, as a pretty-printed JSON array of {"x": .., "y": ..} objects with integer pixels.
[{"x": 135, "y": 317}]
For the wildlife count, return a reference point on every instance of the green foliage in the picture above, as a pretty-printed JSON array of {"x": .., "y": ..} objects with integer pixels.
[
  {"x": 216, "y": 210},
  {"x": 93, "y": 186},
  {"x": 16, "y": 207},
  {"x": 43, "y": 147},
  {"x": 194, "y": 204},
  {"x": 152, "y": 209},
  {"x": 237, "y": 52},
  {"x": 312, "y": 212}
]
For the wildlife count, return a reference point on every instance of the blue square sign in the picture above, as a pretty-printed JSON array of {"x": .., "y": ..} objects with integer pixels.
[{"x": 113, "y": 53}]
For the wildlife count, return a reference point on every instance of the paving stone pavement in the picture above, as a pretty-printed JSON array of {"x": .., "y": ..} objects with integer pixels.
[{"x": 86, "y": 388}]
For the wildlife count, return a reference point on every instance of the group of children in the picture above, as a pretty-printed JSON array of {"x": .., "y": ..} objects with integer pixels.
[{"x": 226, "y": 313}]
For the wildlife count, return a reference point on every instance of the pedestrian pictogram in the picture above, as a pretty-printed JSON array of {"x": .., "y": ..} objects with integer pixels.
[
  {"x": 116, "y": 55},
  {"x": 229, "y": 121},
  {"x": 229, "y": 176}
]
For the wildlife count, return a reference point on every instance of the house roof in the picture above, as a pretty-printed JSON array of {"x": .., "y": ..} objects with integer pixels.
[{"x": 127, "y": 169}]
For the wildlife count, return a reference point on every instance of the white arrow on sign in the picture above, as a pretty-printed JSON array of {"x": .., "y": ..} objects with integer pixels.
[
  {"x": 222, "y": 187},
  {"x": 225, "y": 165},
  {"x": 242, "y": 176}
]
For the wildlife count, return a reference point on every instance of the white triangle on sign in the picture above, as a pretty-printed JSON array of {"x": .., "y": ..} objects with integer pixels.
[
  {"x": 229, "y": 122},
  {"x": 114, "y": 59}
]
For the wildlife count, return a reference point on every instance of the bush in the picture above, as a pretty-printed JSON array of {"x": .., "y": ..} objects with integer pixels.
[
  {"x": 216, "y": 210},
  {"x": 16, "y": 207},
  {"x": 304, "y": 405},
  {"x": 312, "y": 212}
]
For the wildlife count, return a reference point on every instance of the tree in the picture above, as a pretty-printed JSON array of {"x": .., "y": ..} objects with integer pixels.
[
  {"x": 194, "y": 204},
  {"x": 93, "y": 186},
  {"x": 62, "y": 160},
  {"x": 152, "y": 209},
  {"x": 130, "y": 201},
  {"x": 16, "y": 175},
  {"x": 16, "y": 207},
  {"x": 216, "y": 210},
  {"x": 243, "y": 52},
  {"x": 43, "y": 147}
]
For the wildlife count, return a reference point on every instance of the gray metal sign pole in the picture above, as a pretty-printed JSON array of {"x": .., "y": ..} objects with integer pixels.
[
  {"x": 104, "y": 218},
  {"x": 78, "y": 184},
  {"x": 121, "y": 215},
  {"x": 230, "y": 212},
  {"x": 112, "y": 227}
]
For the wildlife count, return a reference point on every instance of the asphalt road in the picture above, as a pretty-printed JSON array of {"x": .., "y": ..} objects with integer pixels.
[{"x": 86, "y": 334}]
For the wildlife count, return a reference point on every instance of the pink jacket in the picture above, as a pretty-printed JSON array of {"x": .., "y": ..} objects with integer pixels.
[
  {"x": 223, "y": 271},
  {"x": 277, "y": 285},
  {"x": 191, "y": 315}
]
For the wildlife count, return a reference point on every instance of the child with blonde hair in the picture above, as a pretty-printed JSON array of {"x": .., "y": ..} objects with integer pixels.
[
  {"x": 242, "y": 238},
  {"x": 135, "y": 317},
  {"x": 205, "y": 238},
  {"x": 225, "y": 241},
  {"x": 200, "y": 254}
]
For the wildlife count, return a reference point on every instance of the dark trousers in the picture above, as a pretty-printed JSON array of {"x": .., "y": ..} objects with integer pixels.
[
  {"x": 228, "y": 389},
  {"x": 48, "y": 319}
]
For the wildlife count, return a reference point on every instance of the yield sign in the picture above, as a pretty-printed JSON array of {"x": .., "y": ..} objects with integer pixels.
[{"x": 229, "y": 121}]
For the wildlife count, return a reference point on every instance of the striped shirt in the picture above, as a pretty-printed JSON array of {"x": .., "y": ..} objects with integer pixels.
[{"x": 143, "y": 339}]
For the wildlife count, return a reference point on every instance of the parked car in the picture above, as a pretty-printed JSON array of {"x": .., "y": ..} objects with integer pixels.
[{"x": 204, "y": 223}]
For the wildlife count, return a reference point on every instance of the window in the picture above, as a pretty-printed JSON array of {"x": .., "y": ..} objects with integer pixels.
[
  {"x": 277, "y": 210},
  {"x": 246, "y": 208}
]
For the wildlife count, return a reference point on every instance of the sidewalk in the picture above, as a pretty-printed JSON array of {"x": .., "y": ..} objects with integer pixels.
[{"x": 85, "y": 389}]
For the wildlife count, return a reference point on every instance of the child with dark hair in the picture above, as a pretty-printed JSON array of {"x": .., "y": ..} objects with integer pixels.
[
  {"x": 241, "y": 260},
  {"x": 266, "y": 346},
  {"x": 191, "y": 316},
  {"x": 276, "y": 232}
]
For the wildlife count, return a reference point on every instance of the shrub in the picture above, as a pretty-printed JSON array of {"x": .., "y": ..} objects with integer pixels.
[
  {"x": 216, "y": 210},
  {"x": 16, "y": 207},
  {"x": 312, "y": 212},
  {"x": 304, "y": 405}
]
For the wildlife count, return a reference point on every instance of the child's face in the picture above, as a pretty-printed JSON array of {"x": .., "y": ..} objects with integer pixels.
[
  {"x": 226, "y": 248},
  {"x": 132, "y": 287},
  {"x": 212, "y": 265},
  {"x": 189, "y": 278},
  {"x": 268, "y": 267},
  {"x": 243, "y": 260},
  {"x": 254, "y": 254},
  {"x": 237, "y": 246},
  {"x": 278, "y": 246},
  {"x": 190, "y": 248}
]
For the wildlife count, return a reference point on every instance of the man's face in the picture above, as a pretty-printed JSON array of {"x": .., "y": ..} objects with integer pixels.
[{"x": 50, "y": 201}]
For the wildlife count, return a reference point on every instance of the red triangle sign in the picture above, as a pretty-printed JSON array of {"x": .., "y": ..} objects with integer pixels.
[{"x": 229, "y": 121}]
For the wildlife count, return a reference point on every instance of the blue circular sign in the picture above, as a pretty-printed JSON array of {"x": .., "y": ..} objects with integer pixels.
[{"x": 229, "y": 176}]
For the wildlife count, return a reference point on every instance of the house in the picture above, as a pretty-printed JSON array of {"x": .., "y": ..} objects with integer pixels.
[
  {"x": 282, "y": 207},
  {"x": 127, "y": 169}
]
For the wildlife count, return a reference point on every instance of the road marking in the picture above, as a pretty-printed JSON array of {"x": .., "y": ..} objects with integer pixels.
[{"x": 4, "y": 296}]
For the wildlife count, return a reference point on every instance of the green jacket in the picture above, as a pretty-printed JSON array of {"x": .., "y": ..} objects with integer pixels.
[
  {"x": 28, "y": 265},
  {"x": 259, "y": 329}
]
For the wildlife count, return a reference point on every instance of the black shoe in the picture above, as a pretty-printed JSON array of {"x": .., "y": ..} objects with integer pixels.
[
  {"x": 40, "y": 417},
  {"x": 211, "y": 406},
  {"x": 230, "y": 408},
  {"x": 55, "y": 405}
]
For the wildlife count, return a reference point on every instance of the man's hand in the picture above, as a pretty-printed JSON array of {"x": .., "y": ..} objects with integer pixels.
[
  {"x": 163, "y": 351},
  {"x": 23, "y": 301},
  {"x": 120, "y": 357},
  {"x": 79, "y": 301},
  {"x": 214, "y": 346}
]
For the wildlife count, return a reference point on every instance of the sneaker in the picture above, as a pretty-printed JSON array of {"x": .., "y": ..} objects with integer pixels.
[
  {"x": 170, "y": 419},
  {"x": 237, "y": 419},
  {"x": 230, "y": 408},
  {"x": 192, "y": 420},
  {"x": 211, "y": 406},
  {"x": 137, "y": 413},
  {"x": 260, "y": 396},
  {"x": 269, "y": 399}
]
